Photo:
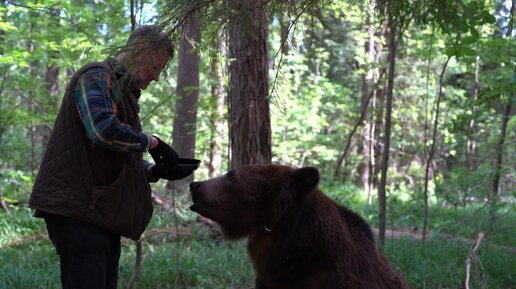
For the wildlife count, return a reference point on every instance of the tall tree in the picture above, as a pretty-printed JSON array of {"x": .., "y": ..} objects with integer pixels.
[
  {"x": 366, "y": 143},
  {"x": 499, "y": 156},
  {"x": 249, "y": 115},
  {"x": 432, "y": 150},
  {"x": 470, "y": 143},
  {"x": 511, "y": 97},
  {"x": 133, "y": 14},
  {"x": 378, "y": 108},
  {"x": 51, "y": 79},
  {"x": 218, "y": 100},
  {"x": 185, "y": 116},
  {"x": 382, "y": 197},
  {"x": 33, "y": 72}
]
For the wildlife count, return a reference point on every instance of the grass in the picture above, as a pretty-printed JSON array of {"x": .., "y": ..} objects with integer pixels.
[
  {"x": 201, "y": 264},
  {"x": 201, "y": 259},
  {"x": 441, "y": 263},
  {"x": 19, "y": 225}
]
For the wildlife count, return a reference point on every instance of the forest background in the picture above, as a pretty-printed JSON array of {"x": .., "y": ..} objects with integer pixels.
[{"x": 406, "y": 108}]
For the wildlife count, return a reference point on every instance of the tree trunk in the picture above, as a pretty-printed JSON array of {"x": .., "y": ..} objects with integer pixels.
[
  {"x": 3, "y": 79},
  {"x": 349, "y": 142},
  {"x": 133, "y": 15},
  {"x": 44, "y": 129},
  {"x": 51, "y": 83},
  {"x": 217, "y": 114},
  {"x": 33, "y": 68},
  {"x": 382, "y": 198},
  {"x": 365, "y": 145},
  {"x": 3, "y": 121},
  {"x": 378, "y": 105},
  {"x": 432, "y": 150},
  {"x": 249, "y": 115},
  {"x": 470, "y": 144},
  {"x": 185, "y": 116},
  {"x": 493, "y": 198}
]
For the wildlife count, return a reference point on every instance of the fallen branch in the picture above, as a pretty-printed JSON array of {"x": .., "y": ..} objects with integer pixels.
[
  {"x": 162, "y": 203},
  {"x": 214, "y": 226},
  {"x": 419, "y": 236},
  {"x": 137, "y": 265},
  {"x": 398, "y": 234},
  {"x": 4, "y": 204},
  {"x": 24, "y": 240},
  {"x": 472, "y": 257}
]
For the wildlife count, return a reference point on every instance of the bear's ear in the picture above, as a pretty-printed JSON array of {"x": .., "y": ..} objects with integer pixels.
[{"x": 305, "y": 180}]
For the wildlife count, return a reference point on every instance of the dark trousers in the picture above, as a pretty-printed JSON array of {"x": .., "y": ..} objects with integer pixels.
[{"x": 89, "y": 255}]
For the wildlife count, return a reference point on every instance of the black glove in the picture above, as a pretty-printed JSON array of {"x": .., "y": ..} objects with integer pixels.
[
  {"x": 163, "y": 154},
  {"x": 182, "y": 169}
]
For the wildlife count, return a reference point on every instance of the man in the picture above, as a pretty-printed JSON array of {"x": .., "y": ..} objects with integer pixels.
[{"x": 93, "y": 185}]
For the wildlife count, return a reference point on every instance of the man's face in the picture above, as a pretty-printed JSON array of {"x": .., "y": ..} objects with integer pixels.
[{"x": 148, "y": 67}]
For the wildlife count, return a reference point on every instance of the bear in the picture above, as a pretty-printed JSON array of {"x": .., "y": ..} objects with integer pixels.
[{"x": 298, "y": 238}]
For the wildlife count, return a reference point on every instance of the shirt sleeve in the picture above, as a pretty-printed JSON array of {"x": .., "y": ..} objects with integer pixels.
[{"x": 97, "y": 108}]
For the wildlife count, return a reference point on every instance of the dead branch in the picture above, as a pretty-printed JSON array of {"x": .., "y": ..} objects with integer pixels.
[
  {"x": 399, "y": 234},
  {"x": 472, "y": 257},
  {"x": 138, "y": 259},
  {"x": 417, "y": 235},
  {"x": 4, "y": 204},
  {"x": 162, "y": 203},
  {"x": 137, "y": 265},
  {"x": 24, "y": 240}
]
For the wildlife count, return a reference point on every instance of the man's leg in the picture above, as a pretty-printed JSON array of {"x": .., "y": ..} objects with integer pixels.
[
  {"x": 89, "y": 255},
  {"x": 112, "y": 262}
]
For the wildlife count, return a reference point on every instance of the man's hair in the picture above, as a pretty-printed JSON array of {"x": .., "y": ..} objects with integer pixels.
[{"x": 152, "y": 39}]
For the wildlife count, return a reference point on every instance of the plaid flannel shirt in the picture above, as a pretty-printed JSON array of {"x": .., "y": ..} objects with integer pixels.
[{"x": 96, "y": 101}]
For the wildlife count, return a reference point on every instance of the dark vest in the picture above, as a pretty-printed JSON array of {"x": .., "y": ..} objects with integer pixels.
[{"x": 89, "y": 183}]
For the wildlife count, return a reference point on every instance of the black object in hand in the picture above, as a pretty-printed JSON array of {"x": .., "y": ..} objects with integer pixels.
[
  {"x": 188, "y": 164},
  {"x": 182, "y": 169},
  {"x": 164, "y": 154}
]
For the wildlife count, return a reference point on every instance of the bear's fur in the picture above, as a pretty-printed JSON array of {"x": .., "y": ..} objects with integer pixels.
[{"x": 298, "y": 237}]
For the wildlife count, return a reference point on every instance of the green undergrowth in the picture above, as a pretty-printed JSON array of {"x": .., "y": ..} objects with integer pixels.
[{"x": 200, "y": 258}]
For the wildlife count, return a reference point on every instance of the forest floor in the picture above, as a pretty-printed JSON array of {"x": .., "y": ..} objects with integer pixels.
[
  {"x": 410, "y": 232},
  {"x": 196, "y": 256}
]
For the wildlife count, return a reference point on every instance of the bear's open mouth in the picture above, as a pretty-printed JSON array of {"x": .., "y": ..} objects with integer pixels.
[{"x": 202, "y": 205}]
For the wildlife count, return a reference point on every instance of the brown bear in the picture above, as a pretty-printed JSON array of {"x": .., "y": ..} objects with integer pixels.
[{"x": 298, "y": 238}]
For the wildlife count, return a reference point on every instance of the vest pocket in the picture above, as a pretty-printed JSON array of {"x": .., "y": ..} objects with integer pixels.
[
  {"x": 123, "y": 207},
  {"x": 101, "y": 195}
]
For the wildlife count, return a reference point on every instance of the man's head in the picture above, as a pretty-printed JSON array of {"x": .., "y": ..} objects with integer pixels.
[{"x": 146, "y": 54}]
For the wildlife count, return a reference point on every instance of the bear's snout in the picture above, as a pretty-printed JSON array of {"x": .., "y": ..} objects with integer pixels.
[{"x": 194, "y": 186}]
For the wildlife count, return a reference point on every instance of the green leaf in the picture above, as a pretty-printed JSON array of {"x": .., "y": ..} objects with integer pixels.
[
  {"x": 488, "y": 17},
  {"x": 450, "y": 51},
  {"x": 474, "y": 32},
  {"x": 463, "y": 26},
  {"x": 473, "y": 5},
  {"x": 469, "y": 40},
  {"x": 466, "y": 51},
  {"x": 6, "y": 26}
]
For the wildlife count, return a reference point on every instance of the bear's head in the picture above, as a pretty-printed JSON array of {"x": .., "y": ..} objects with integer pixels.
[{"x": 252, "y": 197}]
